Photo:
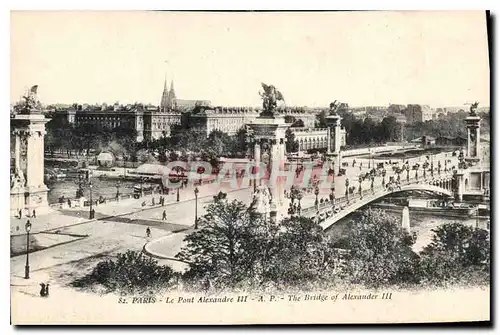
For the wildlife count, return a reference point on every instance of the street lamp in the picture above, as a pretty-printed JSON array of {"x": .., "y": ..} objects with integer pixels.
[
  {"x": 142, "y": 190},
  {"x": 372, "y": 177},
  {"x": 91, "y": 216},
  {"x": 27, "y": 267},
  {"x": 360, "y": 179},
  {"x": 332, "y": 194},
  {"x": 347, "y": 189},
  {"x": 117, "y": 190},
  {"x": 316, "y": 193},
  {"x": 439, "y": 167},
  {"x": 383, "y": 177},
  {"x": 408, "y": 172},
  {"x": 196, "y": 207}
]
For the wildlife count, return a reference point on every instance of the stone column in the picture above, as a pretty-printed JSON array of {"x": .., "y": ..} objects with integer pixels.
[
  {"x": 273, "y": 166},
  {"x": 17, "y": 152},
  {"x": 469, "y": 153},
  {"x": 328, "y": 141},
  {"x": 256, "y": 158},
  {"x": 405, "y": 220},
  {"x": 478, "y": 143}
]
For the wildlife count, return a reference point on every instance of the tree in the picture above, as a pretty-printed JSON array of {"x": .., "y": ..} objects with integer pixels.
[
  {"x": 298, "y": 123},
  {"x": 380, "y": 251},
  {"x": 129, "y": 272},
  {"x": 291, "y": 144},
  {"x": 222, "y": 250},
  {"x": 456, "y": 253},
  {"x": 390, "y": 129},
  {"x": 321, "y": 120},
  {"x": 300, "y": 255}
]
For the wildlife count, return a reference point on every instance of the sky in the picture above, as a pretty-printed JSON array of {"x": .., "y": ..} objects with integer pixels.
[{"x": 362, "y": 58}]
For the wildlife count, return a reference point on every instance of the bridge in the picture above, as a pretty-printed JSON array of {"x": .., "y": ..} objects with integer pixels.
[{"x": 328, "y": 213}]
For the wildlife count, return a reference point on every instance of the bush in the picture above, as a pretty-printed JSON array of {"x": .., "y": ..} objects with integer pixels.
[
  {"x": 130, "y": 272},
  {"x": 456, "y": 254}
]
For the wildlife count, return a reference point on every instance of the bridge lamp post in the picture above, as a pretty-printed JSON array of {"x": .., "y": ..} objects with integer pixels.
[
  {"x": 347, "y": 189},
  {"x": 383, "y": 177},
  {"x": 332, "y": 195},
  {"x": 27, "y": 266},
  {"x": 90, "y": 212},
  {"x": 439, "y": 167},
  {"x": 196, "y": 207},
  {"x": 372, "y": 177},
  {"x": 407, "y": 172},
  {"x": 425, "y": 168},
  {"x": 117, "y": 185},
  {"x": 360, "y": 179},
  {"x": 316, "y": 193}
]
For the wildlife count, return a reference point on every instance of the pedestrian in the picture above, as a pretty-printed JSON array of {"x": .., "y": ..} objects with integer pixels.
[
  {"x": 47, "y": 289},
  {"x": 69, "y": 203},
  {"x": 34, "y": 214},
  {"x": 164, "y": 217},
  {"x": 42, "y": 290},
  {"x": 20, "y": 214},
  {"x": 148, "y": 232},
  {"x": 153, "y": 201}
]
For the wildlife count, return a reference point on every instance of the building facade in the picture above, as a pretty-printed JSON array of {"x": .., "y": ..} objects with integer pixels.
[
  {"x": 108, "y": 117},
  {"x": 418, "y": 113},
  {"x": 230, "y": 119},
  {"x": 315, "y": 138}
]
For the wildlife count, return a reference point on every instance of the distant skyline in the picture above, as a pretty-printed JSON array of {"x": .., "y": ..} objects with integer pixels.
[{"x": 362, "y": 58}]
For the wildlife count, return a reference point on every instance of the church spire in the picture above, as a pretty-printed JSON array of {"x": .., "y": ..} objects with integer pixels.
[
  {"x": 171, "y": 96},
  {"x": 164, "y": 97}
]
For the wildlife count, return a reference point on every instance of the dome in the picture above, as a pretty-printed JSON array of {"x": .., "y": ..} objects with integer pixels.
[{"x": 105, "y": 159}]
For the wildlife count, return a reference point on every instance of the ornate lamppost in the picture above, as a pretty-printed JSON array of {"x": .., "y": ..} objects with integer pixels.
[
  {"x": 27, "y": 266},
  {"x": 316, "y": 193},
  {"x": 407, "y": 172},
  {"x": 432, "y": 165},
  {"x": 372, "y": 178},
  {"x": 196, "y": 207},
  {"x": 425, "y": 166},
  {"x": 416, "y": 171},
  {"x": 384, "y": 172},
  {"x": 347, "y": 189},
  {"x": 332, "y": 195},
  {"x": 142, "y": 188},
  {"x": 439, "y": 167},
  {"x": 91, "y": 213},
  {"x": 360, "y": 179},
  {"x": 117, "y": 185}
]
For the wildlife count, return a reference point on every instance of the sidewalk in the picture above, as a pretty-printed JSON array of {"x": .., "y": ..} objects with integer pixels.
[{"x": 78, "y": 215}]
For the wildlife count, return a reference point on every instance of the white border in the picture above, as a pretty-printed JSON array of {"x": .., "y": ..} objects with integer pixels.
[{"x": 8, "y": 5}]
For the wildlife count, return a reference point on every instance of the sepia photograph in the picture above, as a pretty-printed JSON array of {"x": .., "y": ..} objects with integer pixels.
[{"x": 230, "y": 168}]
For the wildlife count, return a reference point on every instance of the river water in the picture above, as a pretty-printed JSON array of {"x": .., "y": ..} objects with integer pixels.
[{"x": 420, "y": 223}]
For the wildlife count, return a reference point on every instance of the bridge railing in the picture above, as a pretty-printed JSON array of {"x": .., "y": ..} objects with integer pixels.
[{"x": 340, "y": 203}]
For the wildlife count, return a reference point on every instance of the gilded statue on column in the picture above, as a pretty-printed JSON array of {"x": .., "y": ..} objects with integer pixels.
[
  {"x": 29, "y": 102},
  {"x": 270, "y": 97}
]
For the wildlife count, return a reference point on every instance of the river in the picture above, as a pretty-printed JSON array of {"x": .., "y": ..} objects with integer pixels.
[{"x": 421, "y": 224}]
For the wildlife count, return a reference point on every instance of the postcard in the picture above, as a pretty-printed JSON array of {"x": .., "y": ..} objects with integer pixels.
[{"x": 229, "y": 168}]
